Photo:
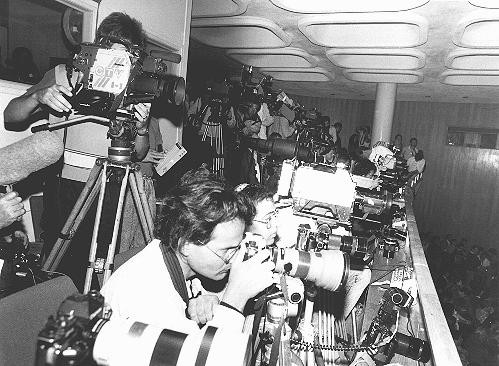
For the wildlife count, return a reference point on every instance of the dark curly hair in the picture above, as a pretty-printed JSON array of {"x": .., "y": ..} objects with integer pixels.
[
  {"x": 254, "y": 193},
  {"x": 192, "y": 210},
  {"x": 121, "y": 26}
]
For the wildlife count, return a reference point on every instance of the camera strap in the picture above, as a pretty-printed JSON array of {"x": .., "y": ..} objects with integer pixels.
[{"x": 176, "y": 274}]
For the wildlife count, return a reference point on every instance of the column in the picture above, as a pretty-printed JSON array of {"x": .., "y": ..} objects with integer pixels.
[{"x": 386, "y": 94}]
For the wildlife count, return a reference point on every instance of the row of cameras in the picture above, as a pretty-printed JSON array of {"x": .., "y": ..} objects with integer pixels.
[{"x": 83, "y": 329}]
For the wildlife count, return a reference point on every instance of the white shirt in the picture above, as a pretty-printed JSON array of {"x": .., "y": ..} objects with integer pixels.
[
  {"x": 142, "y": 290},
  {"x": 413, "y": 165},
  {"x": 408, "y": 151},
  {"x": 266, "y": 119}
]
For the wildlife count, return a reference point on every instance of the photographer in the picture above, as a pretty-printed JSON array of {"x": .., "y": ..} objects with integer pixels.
[
  {"x": 53, "y": 94},
  {"x": 199, "y": 229},
  {"x": 264, "y": 222},
  {"x": 54, "y": 89},
  {"x": 243, "y": 165}
]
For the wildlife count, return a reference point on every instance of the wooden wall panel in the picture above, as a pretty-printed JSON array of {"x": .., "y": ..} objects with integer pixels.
[{"x": 460, "y": 192}]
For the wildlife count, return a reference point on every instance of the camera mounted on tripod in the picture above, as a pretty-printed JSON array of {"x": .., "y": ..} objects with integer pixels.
[{"x": 111, "y": 80}]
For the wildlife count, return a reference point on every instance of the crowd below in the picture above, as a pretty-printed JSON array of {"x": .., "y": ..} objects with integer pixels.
[{"x": 465, "y": 277}]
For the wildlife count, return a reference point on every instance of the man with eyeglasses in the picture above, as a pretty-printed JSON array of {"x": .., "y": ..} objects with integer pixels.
[
  {"x": 264, "y": 222},
  {"x": 199, "y": 231}
]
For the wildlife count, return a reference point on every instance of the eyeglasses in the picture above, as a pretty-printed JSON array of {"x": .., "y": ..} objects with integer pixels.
[
  {"x": 268, "y": 221},
  {"x": 228, "y": 255}
]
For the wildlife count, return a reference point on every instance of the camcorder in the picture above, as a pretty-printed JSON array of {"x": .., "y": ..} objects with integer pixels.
[
  {"x": 392, "y": 168},
  {"x": 83, "y": 333},
  {"x": 110, "y": 81}
]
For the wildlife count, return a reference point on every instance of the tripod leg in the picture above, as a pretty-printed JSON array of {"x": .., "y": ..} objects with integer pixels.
[
  {"x": 95, "y": 233},
  {"x": 79, "y": 211},
  {"x": 142, "y": 205},
  {"x": 108, "y": 267}
]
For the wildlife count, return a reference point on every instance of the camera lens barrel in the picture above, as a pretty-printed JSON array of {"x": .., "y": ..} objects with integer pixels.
[
  {"x": 327, "y": 269},
  {"x": 414, "y": 348},
  {"x": 133, "y": 343}
]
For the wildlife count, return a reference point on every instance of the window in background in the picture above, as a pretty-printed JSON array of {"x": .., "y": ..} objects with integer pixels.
[
  {"x": 481, "y": 138},
  {"x": 36, "y": 35}
]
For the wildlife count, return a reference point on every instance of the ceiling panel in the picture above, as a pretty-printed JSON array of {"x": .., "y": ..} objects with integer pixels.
[
  {"x": 218, "y": 8},
  {"x": 384, "y": 76},
  {"x": 492, "y": 4},
  {"x": 477, "y": 78},
  {"x": 298, "y": 74},
  {"x": 365, "y": 30},
  {"x": 467, "y": 59},
  {"x": 329, "y": 6},
  {"x": 365, "y": 58},
  {"x": 239, "y": 32},
  {"x": 282, "y": 57},
  {"x": 480, "y": 29}
]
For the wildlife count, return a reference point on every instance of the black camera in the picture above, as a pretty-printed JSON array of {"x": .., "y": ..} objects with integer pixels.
[
  {"x": 114, "y": 78},
  {"x": 402, "y": 344},
  {"x": 82, "y": 333},
  {"x": 110, "y": 81},
  {"x": 68, "y": 338}
]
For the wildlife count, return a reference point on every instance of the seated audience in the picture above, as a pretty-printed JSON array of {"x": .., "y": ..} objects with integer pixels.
[
  {"x": 199, "y": 229},
  {"x": 466, "y": 281}
]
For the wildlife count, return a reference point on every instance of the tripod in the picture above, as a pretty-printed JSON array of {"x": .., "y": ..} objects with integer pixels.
[
  {"x": 212, "y": 129},
  {"x": 96, "y": 184}
]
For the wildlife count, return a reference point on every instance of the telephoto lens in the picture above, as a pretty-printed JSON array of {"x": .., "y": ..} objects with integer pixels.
[{"x": 327, "y": 269}]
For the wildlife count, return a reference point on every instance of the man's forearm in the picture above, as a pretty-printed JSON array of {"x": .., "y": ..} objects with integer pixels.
[
  {"x": 19, "y": 109},
  {"x": 141, "y": 146}
]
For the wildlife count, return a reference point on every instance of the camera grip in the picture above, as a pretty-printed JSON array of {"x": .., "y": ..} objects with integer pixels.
[{"x": 43, "y": 127}]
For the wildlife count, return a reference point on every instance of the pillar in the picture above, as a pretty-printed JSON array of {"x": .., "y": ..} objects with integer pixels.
[{"x": 383, "y": 112}]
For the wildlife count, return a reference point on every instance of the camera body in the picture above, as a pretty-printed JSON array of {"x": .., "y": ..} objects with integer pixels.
[
  {"x": 109, "y": 81},
  {"x": 68, "y": 338}
]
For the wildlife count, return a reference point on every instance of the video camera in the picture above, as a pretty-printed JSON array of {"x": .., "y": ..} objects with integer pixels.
[
  {"x": 113, "y": 78},
  {"x": 392, "y": 168},
  {"x": 106, "y": 82},
  {"x": 83, "y": 333}
]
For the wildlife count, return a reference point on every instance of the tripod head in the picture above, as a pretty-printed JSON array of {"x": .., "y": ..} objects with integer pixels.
[{"x": 121, "y": 149}]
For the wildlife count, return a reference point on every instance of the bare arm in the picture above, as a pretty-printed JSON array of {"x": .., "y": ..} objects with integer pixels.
[
  {"x": 21, "y": 108},
  {"x": 142, "y": 139}
]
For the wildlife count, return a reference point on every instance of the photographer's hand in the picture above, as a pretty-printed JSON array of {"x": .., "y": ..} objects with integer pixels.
[
  {"x": 200, "y": 309},
  {"x": 248, "y": 278},
  {"x": 52, "y": 97},
  {"x": 141, "y": 111},
  {"x": 11, "y": 208},
  {"x": 153, "y": 156}
]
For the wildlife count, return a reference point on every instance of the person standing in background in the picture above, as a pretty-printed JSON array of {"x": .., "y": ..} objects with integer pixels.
[
  {"x": 398, "y": 144},
  {"x": 411, "y": 150}
]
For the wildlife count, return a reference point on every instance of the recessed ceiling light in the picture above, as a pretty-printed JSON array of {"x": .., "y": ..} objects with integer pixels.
[
  {"x": 465, "y": 97},
  {"x": 427, "y": 96}
]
